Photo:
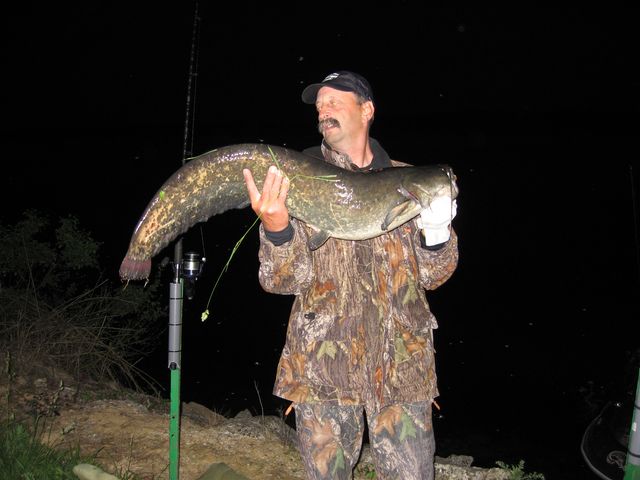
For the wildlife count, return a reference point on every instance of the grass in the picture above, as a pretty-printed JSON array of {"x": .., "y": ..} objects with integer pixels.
[
  {"x": 517, "y": 472},
  {"x": 84, "y": 335},
  {"x": 23, "y": 456}
]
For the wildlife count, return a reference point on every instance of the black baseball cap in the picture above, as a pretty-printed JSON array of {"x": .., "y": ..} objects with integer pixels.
[{"x": 342, "y": 80}]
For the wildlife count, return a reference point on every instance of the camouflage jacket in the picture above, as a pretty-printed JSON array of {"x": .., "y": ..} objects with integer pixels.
[{"x": 360, "y": 330}]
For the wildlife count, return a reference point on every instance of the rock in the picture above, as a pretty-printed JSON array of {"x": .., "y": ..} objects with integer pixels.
[
  {"x": 85, "y": 471},
  {"x": 201, "y": 415},
  {"x": 459, "y": 460},
  {"x": 452, "y": 471},
  {"x": 267, "y": 427},
  {"x": 221, "y": 471},
  {"x": 244, "y": 414}
]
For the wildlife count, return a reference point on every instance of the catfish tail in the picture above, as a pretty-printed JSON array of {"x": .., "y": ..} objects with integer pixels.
[{"x": 132, "y": 269}]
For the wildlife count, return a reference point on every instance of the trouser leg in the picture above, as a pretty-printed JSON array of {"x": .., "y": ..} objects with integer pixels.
[
  {"x": 330, "y": 437},
  {"x": 402, "y": 442}
]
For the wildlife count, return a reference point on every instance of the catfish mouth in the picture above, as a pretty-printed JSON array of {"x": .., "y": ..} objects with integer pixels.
[
  {"x": 328, "y": 123},
  {"x": 453, "y": 185}
]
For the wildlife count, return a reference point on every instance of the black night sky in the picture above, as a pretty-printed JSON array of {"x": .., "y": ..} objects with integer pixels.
[{"x": 536, "y": 110}]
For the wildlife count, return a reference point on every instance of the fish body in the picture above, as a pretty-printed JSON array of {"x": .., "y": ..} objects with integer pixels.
[{"x": 335, "y": 202}]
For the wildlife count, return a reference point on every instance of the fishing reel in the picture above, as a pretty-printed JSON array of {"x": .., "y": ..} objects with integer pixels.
[
  {"x": 189, "y": 268},
  {"x": 192, "y": 265}
]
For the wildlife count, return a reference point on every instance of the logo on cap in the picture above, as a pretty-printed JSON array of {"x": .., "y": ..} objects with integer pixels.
[{"x": 331, "y": 76}]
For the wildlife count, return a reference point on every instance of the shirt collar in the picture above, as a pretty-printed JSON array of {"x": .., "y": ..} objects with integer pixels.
[{"x": 379, "y": 161}]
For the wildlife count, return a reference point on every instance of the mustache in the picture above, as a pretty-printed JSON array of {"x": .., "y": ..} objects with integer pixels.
[{"x": 327, "y": 122}]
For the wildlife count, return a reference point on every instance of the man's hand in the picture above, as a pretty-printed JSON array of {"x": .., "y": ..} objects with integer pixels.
[
  {"x": 435, "y": 220},
  {"x": 270, "y": 204}
]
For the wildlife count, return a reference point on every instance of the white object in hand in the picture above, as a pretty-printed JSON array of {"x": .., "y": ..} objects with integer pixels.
[{"x": 435, "y": 220}]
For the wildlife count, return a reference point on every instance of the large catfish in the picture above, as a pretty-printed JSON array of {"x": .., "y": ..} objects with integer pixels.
[{"x": 335, "y": 202}]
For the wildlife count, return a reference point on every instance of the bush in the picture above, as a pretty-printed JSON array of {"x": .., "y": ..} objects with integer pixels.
[{"x": 57, "y": 309}]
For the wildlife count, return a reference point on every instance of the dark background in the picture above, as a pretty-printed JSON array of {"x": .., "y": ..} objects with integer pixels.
[{"x": 535, "y": 109}]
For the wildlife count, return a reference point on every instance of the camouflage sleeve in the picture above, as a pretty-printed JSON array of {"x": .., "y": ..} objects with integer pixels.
[
  {"x": 285, "y": 269},
  {"x": 436, "y": 266}
]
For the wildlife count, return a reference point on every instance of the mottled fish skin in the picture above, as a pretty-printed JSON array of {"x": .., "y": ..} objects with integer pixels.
[{"x": 337, "y": 202}]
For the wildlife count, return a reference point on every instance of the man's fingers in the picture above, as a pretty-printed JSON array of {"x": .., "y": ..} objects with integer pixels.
[
  {"x": 269, "y": 181},
  {"x": 274, "y": 189},
  {"x": 270, "y": 204},
  {"x": 284, "y": 188},
  {"x": 254, "y": 193},
  {"x": 276, "y": 186}
]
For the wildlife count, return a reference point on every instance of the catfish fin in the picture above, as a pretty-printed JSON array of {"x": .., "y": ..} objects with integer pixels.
[
  {"x": 317, "y": 239},
  {"x": 408, "y": 195},
  {"x": 397, "y": 211}
]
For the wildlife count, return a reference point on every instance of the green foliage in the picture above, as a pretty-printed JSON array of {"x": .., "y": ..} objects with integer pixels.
[
  {"x": 76, "y": 248},
  {"x": 57, "y": 258},
  {"x": 517, "y": 472},
  {"x": 57, "y": 309},
  {"x": 23, "y": 456}
]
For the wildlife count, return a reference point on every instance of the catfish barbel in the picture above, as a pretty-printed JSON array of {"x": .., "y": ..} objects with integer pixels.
[{"x": 335, "y": 202}]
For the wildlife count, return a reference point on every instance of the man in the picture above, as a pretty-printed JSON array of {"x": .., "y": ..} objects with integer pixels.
[{"x": 360, "y": 331}]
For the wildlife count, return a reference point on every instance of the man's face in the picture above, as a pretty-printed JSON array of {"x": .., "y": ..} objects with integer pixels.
[{"x": 339, "y": 115}]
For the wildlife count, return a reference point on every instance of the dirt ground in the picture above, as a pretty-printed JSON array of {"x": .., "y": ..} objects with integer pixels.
[
  {"x": 131, "y": 437},
  {"x": 128, "y": 433}
]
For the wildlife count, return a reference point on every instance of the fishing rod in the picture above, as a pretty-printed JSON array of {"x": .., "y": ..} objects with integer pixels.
[
  {"x": 634, "y": 211},
  {"x": 189, "y": 120},
  {"x": 184, "y": 269}
]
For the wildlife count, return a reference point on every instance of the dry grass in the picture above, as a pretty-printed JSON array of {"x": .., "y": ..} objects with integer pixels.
[
  {"x": 55, "y": 310},
  {"x": 87, "y": 336}
]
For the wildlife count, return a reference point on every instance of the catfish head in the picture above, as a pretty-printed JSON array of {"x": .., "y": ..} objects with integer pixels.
[{"x": 417, "y": 189}]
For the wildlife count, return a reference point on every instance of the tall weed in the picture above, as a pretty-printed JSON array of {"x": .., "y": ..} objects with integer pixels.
[{"x": 57, "y": 309}]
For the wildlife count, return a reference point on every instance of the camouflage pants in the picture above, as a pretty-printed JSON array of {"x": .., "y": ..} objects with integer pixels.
[{"x": 400, "y": 436}]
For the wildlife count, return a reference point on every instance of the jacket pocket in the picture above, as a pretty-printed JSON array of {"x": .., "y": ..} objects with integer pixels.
[{"x": 412, "y": 360}]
